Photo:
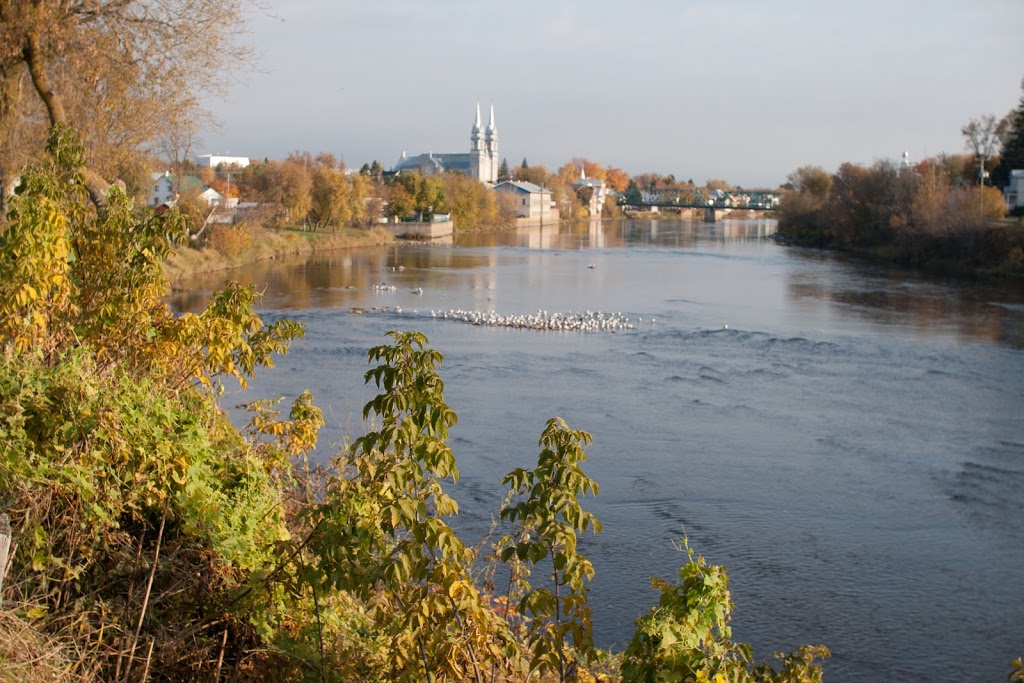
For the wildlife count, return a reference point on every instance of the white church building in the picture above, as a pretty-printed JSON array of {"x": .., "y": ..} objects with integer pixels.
[{"x": 482, "y": 161}]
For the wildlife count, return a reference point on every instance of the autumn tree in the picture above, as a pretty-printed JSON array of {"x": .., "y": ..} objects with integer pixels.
[
  {"x": 330, "y": 197},
  {"x": 401, "y": 202},
  {"x": 617, "y": 179},
  {"x": 568, "y": 173},
  {"x": 591, "y": 168},
  {"x": 472, "y": 205},
  {"x": 430, "y": 195},
  {"x": 118, "y": 71},
  {"x": 174, "y": 144},
  {"x": 367, "y": 200},
  {"x": 955, "y": 167},
  {"x": 538, "y": 175},
  {"x": 983, "y": 137},
  {"x": 813, "y": 180},
  {"x": 285, "y": 186},
  {"x": 114, "y": 429}
]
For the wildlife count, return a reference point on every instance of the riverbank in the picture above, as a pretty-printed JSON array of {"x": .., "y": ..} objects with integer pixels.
[
  {"x": 992, "y": 253},
  {"x": 231, "y": 247}
]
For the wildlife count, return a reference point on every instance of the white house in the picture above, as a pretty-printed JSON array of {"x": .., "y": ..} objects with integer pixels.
[
  {"x": 1014, "y": 191},
  {"x": 165, "y": 192},
  {"x": 531, "y": 201},
  {"x": 163, "y": 189},
  {"x": 213, "y": 198}
]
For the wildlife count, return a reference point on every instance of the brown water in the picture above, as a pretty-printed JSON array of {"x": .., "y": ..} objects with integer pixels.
[{"x": 848, "y": 439}]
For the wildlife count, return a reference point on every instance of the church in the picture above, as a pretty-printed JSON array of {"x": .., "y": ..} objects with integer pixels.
[{"x": 481, "y": 162}]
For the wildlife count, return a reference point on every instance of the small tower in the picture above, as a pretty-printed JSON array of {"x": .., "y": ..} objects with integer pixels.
[
  {"x": 475, "y": 136},
  {"x": 479, "y": 162},
  {"x": 491, "y": 146}
]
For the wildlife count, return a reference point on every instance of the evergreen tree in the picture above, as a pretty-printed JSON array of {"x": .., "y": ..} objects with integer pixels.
[
  {"x": 633, "y": 196},
  {"x": 1012, "y": 154},
  {"x": 525, "y": 166}
]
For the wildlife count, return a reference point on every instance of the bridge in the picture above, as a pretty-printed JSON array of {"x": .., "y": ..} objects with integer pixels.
[{"x": 711, "y": 209}]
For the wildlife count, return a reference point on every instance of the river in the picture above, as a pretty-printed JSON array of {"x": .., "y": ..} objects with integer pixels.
[{"x": 847, "y": 439}]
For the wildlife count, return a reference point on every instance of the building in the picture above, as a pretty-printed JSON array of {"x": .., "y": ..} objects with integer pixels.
[
  {"x": 481, "y": 162},
  {"x": 530, "y": 200},
  {"x": 163, "y": 190},
  {"x": 215, "y": 160},
  {"x": 599, "y": 191},
  {"x": 166, "y": 192},
  {"x": 1014, "y": 191}
]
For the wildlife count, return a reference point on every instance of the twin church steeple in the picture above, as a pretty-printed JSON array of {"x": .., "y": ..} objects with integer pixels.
[{"x": 483, "y": 155}]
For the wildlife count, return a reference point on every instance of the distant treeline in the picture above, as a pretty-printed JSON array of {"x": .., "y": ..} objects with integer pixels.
[{"x": 919, "y": 216}]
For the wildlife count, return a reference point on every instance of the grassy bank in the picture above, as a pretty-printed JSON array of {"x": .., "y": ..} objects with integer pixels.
[
  {"x": 993, "y": 251},
  {"x": 228, "y": 247}
]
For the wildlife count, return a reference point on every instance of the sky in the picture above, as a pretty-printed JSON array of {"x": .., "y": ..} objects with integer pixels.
[{"x": 745, "y": 91}]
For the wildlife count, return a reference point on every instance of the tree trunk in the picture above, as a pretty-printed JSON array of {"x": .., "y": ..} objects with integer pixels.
[{"x": 95, "y": 184}]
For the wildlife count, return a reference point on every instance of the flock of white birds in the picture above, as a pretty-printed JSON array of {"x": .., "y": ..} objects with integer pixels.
[{"x": 587, "y": 321}]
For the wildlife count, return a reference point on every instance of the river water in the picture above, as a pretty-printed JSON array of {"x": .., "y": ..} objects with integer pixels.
[{"x": 847, "y": 439}]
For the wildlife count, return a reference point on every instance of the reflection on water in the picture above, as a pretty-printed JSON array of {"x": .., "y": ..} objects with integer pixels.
[
  {"x": 606, "y": 234},
  {"x": 888, "y": 295},
  {"x": 818, "y": 285}
]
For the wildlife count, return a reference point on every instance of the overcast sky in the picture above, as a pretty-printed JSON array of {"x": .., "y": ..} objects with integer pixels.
[{"x": 742, "y": 90}]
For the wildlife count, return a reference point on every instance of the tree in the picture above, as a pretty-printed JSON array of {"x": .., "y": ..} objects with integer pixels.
[
  {"x": 472, "y": 205},
  {"x": 330, "y": 197},
  {"x": 429, "y": 195},
  {"x": 617, "y": 179},
  {"x": 538, "y": 175},
  {"x": 568, "y": 173},
  {"x": 862, "y": 204},
  {"x": 584, "y": 195},
  {"x": 503, "y": 171},
  {"x": 367, "y": 203},
  {"x": 632, "y": 195},
  {"x": 1011, "y": 156},
  {"x": 591, "y": 168},
  {"x": 174, "y": 142},
  {"x": 401, "y": 202},
  {"x": 813, "y": 180},
  {"x": 114, "y": 428},
  {"x": 549, "y": 516},
  {"x": 118, "y": 72},
  {"x": 983, "y": 137},
  {"x": 382, "y": 532},
  {"x": 687, "y": 637}
]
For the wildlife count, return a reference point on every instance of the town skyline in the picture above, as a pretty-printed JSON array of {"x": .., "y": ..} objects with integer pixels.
[{"x": 733, "y": 90}]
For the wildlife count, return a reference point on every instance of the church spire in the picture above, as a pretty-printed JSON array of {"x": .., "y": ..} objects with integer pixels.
[
  {"x": 491, "y": 128},
  {"x": 476, "y": 135}
]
